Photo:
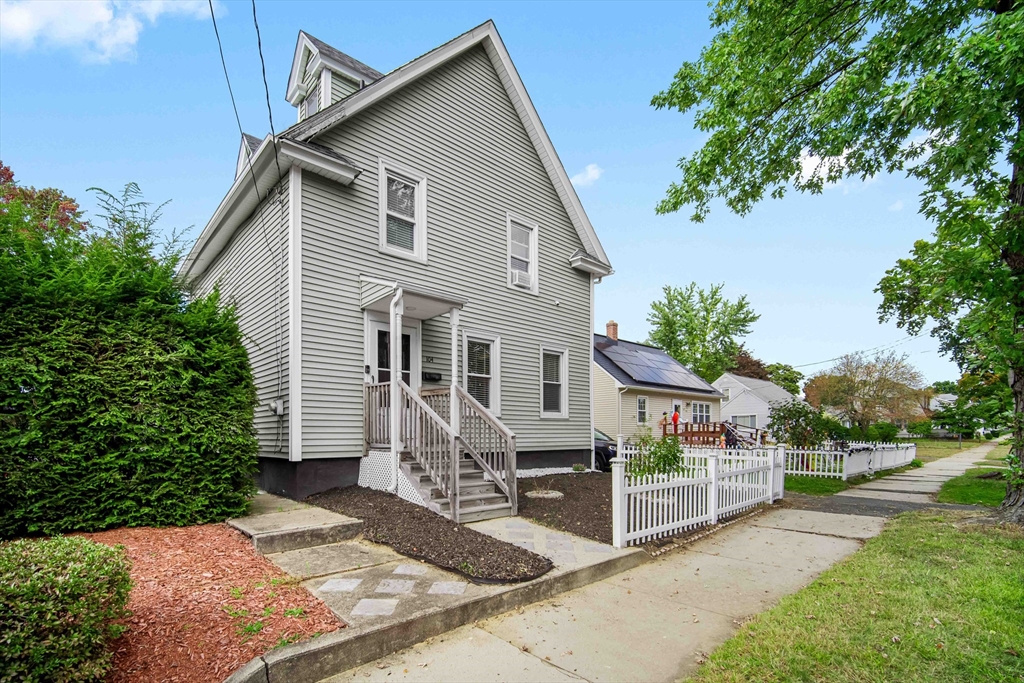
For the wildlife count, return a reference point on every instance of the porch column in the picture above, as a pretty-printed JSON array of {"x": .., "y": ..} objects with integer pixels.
[
  {"x": 397, "y": 309},
  {"x": 453, "y": 320}
]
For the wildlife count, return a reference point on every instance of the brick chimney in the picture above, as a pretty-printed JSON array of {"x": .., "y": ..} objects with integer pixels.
[{"x": 612, "y": 330}]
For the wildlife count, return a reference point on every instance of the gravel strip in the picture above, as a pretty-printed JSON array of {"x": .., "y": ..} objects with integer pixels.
[
  {"x": 204, "y": 603},
  {"x": 417, "y": 532},
  {"x": 585, "y": 509}
]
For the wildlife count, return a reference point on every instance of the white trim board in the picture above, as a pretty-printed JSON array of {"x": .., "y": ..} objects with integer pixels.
[
  {"x": 487, "y": 36},
  {"x": 295, "y": 314}
]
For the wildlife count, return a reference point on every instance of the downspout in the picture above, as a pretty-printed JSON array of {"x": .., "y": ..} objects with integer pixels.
[
  {"x": 621, "y": 392},
  {"x": 395, "y": 310}
]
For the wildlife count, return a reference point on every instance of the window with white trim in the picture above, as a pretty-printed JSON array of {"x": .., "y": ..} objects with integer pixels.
[
  {"x": 403, "y": 211},
  {"x": 726, "y": 392},
  {"x": 701, "y": 413},
  {"x": 481, "y": 369},
  {"x": 312, "y": 103},
  {"x": 554, "y": 396},
  {"x": 522, "y": 253},
  {"x": 641, "y": 410},
  {"x": 745, "y": 420}
]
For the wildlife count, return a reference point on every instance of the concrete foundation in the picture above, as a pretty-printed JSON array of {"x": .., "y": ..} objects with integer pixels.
[{"x": 297, "y": 480}]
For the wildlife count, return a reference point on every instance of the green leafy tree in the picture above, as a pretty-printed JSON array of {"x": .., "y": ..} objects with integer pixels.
[
  {"x": 123, "y": 401},
  {"x": 802, "y": 93},
  {"x": 944, "y": 386},
  {"x": 922, "y": 428},
  {"x": 786, "y": 376},
  {"x": 960, "y": 418},
  {"x": 700, "y": 328}
]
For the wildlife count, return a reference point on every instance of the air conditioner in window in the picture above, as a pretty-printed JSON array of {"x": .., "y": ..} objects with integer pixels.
[{"x": 521, "y": 278}]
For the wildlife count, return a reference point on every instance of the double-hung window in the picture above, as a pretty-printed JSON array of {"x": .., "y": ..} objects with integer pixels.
[
  {"x": 641, "y": 410},
  {"x": 554, "y": 385},
  {"x": 481, "y": 368},
  {"x": 701, "y": 413},
  {"x": 522, "y": 254},
  {"x": 745, "y": 420},
  {"x": 403, "y": 211}
]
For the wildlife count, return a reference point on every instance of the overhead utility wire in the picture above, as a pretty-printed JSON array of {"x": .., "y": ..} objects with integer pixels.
[
  {"x": 238, "y": 120},
  {"x": 889, "y": 345},
  {"x": 266, "y": 88}
]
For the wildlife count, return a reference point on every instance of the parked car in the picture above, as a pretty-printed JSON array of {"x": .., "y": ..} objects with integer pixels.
[{"x": 604, "y": 450}]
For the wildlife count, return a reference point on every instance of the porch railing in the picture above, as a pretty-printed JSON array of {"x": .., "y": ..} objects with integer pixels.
[
  {"x": 377, "y": 415},
  {"x": 490, "y": 443},
  {"x": 440, "y": 401},
  {"x": 432, "y": 443},
  {"x": 695, "y": 433}
]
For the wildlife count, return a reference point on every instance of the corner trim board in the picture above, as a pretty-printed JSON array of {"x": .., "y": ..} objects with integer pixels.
[{"x": 295, "y": 314}]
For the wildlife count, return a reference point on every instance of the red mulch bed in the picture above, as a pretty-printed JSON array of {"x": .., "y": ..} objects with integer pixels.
[{"x": 185, "y": 582}]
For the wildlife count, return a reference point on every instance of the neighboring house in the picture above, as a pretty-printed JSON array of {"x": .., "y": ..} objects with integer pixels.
[
  {"x": 636, "y": 384},
  {"x": 748, "y": 401},
  {"x": 418, "y": 220}
]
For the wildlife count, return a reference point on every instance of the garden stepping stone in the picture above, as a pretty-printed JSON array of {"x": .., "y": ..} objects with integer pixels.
[
  {"x": 340, "y": 585},
  {"x": 447, "y": 588},
  {"x": 374, "y": 608},
  {"x": 395, "y": 586}
]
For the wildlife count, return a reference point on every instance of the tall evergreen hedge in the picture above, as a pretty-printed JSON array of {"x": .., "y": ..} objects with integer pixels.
[{"x": 123, "y": 401}]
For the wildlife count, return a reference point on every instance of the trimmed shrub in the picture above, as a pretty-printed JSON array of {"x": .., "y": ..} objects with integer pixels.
[
  {"x": 887, "y": 431},
  {"x": 921, "y": 428},
  {"x": 60, "y": 602},
  {"x": 871, "y": 433},
  {"x": 123, "y": 401}
]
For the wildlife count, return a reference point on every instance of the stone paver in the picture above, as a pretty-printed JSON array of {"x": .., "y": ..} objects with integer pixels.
[
  {"x": 565, "y": 550},
  {"x": 321, "y": 560},
  {"x": 651, "y": 623},
  {"x": 857, "y": 492}
]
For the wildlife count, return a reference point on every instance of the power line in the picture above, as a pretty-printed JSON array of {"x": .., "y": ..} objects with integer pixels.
[
  {"x": 266, "y": 88},
  {"x": 238, "y": 120},
  {"x": 866, "y": 350}
]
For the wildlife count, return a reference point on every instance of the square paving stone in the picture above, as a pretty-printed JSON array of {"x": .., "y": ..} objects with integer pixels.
[
  {"x": 447, "y": 588},
  {"x": 374, "y": 608},
  {"x": 527, "y": 545},
  {"x": 395, "y": 586},
  {"x": 340, "y": 585},
  {"x": 411, "y": 569}
]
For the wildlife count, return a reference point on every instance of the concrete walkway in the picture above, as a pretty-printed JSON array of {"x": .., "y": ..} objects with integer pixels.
[
  {"x": 914, "y": 489},
  {"x": 653, "y": 623}
]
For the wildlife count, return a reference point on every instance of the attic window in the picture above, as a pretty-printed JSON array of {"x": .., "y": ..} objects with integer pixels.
[
  {"x": 403, "y": 211},
  {"x": 311, "y": 103},
  {"x": 522, "y": 254}
]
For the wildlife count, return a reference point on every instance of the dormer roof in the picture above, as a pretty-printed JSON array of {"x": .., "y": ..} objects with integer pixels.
[{"x": 314, "y": 55}]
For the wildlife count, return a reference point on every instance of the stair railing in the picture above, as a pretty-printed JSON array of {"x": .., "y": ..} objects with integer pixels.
[
  {"x": 489, "y": 442},
  {"x": 377, "y": 415},
  {"x": 433, "y": 444}
]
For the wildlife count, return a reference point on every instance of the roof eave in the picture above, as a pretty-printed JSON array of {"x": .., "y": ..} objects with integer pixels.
[
  {"x": 590, "y": 265},
  {"x": 259, "y": 177}
]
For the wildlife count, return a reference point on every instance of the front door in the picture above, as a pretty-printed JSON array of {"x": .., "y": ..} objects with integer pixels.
[{"x": 379, "y": 354}]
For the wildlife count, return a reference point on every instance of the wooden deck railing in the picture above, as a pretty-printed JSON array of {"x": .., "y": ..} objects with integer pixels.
[
  {"x": 696, "y": 433},
  {"x": 377, "y": 415},
  {"x": 490, "y": 443},
  {"x": 432, "y": 443}
]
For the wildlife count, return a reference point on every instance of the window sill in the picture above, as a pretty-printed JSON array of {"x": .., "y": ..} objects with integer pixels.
[
  {"x": 400, "y": 253},
  {"x": 554, "y": 416},
  {"x": 524, "y": 290}
]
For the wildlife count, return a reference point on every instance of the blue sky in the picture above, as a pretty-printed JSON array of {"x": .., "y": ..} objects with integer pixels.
[{"x": 97, "y": 95}]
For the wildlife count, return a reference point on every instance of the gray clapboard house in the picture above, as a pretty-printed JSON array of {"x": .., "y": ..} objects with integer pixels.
[{"x": 418, "y": 220}]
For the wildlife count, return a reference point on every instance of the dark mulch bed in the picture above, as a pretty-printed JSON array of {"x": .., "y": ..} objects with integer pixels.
[
  {"x": 417, "y": 532},
  {"x": 585, "y": 509}
]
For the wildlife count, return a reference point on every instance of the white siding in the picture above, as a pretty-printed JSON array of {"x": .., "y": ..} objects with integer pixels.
[
  {"x": 458, "y": 127},
  {"x": 253, "y": 276},
  {"x": 746, "y": 403}
]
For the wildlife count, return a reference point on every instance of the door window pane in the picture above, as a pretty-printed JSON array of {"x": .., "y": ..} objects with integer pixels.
[{"x": 384, "y": 357}]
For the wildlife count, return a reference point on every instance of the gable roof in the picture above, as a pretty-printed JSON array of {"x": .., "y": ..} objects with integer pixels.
[
  {"x": 639, "y": 365},
  {"x": 485, "y": 35},
  {"x": 768, "y": 392},
  {"x": 252, "y": 142},
  {"x": 323, "y": 55}
]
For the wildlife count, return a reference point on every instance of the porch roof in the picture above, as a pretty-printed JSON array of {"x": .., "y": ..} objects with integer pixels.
[{"x": 421, "y": 303}]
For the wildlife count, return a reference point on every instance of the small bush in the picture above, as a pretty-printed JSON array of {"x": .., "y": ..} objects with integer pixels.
[
  {"x": 887, "y": 431},
  {"x": 856, "y": 433},
  {"x": 60, "y": 599},
  {"x": 916, "y": 463},
  {"x": 871, "y": 434},
  {"x": 579, "y": 467},
  {"x": 921, "y": 428},
  {"x": 655, "y": 456}
]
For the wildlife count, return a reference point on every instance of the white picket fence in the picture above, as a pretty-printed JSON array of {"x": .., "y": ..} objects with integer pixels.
[
  {"x": 712, "y": 483},
  {"x": 856, "y": 459}
]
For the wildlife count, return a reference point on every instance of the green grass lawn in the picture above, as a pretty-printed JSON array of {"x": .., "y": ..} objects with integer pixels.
[
  {"x": 967, "y": 489},
  {"x": 826, "y": 486},
  {"x": 930, "y": 599},
  {"x": 933, "y": 449}
]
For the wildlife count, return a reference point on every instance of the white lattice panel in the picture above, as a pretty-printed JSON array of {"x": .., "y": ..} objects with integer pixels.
[{"x": 377, "y": 471}]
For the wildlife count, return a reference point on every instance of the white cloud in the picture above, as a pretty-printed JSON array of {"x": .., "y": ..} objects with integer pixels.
[
  {"x": 587, "y": 176},
  {"x": 97, "y": 30},
  {"x": 897, "y": 205}
]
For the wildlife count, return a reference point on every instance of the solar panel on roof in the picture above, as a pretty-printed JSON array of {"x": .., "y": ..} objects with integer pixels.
[{"x": 652, "y": 367}]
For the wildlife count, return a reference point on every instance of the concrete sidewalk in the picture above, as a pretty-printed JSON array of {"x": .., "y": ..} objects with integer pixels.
[{"x": 653, "y": 623}]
